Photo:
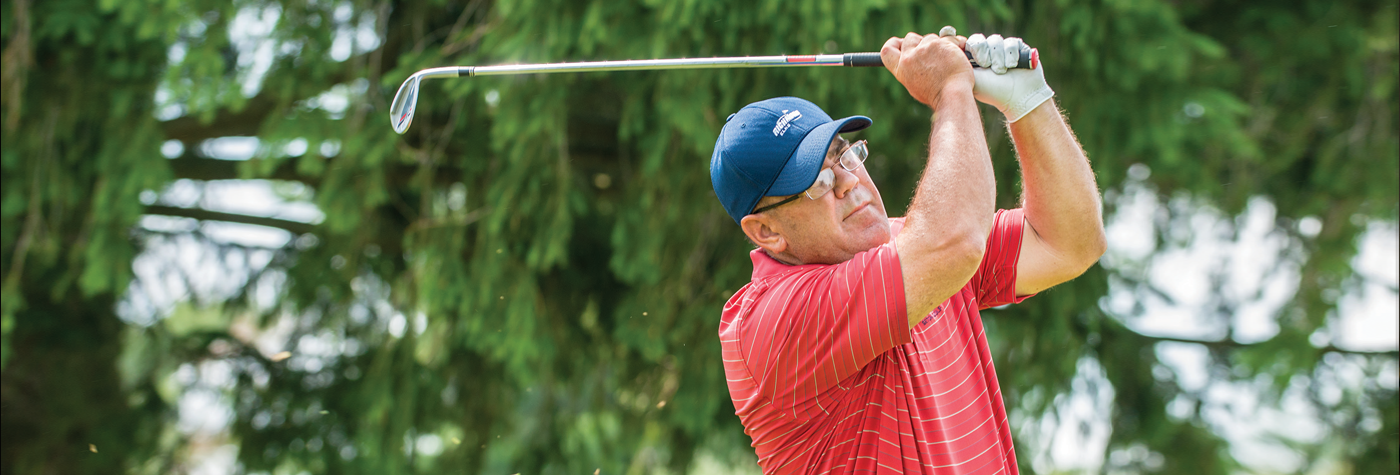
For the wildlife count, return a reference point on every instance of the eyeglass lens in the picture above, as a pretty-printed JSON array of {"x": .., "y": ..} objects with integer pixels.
[
  {"x": 851, "y": 159},
  {"x": 854, "y": 156}
]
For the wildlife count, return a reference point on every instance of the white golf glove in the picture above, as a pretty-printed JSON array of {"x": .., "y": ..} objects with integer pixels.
[{"x": 1015, "y": 92}]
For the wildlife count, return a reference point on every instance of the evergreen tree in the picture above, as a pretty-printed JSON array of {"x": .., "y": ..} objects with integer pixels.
[{"x": 548, "y": 246}]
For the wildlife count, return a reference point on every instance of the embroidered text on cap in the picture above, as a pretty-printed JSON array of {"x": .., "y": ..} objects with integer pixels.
[{"x": 785, "y": 121}]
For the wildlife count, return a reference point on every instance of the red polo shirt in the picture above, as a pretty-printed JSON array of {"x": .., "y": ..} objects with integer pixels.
[{"x": 827, "y": 377}]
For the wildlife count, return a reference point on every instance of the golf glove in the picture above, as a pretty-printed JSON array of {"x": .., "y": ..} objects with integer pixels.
[{"x": 1015, "y": 92}]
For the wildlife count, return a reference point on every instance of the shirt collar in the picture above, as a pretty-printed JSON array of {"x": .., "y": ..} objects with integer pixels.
[{"x": 765, "y": 266}]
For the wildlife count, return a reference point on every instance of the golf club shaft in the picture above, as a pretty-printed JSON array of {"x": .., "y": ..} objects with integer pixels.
[
  {"x": 1027, "y": 61},
  {"x": 406, "y": 99}
]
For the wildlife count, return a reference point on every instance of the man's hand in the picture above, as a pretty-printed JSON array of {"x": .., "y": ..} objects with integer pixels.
[
  {"x": 1015, "y": 92},
  {"x": 926, "y": 65}
]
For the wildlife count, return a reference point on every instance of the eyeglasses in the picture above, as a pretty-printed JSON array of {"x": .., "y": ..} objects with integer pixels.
[{"x": 851, "y": 159}]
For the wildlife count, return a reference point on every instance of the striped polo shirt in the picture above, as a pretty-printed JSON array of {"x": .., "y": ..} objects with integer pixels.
[{"x": 827, "y": 377}]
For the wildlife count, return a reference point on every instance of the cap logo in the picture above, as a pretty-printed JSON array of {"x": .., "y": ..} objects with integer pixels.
[{"x": 785, "y": 121}]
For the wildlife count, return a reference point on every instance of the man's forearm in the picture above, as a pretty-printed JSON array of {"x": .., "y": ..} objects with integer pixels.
[
  {"x": 1060, "y": 199},
  {"x": 958, "y": 188},
  {"x": 947, "y": 224}
]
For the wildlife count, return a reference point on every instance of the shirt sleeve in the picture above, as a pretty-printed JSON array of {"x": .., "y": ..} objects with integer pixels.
[
  {"x": 818, "y": 325},
  {"x": 994, "y": 284}
]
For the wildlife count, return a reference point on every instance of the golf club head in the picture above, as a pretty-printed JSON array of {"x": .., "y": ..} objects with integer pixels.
[{"x": 405, "y": 101}]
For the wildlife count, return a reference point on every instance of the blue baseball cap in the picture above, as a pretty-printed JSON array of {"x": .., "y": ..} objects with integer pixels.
[{"x": 774, "y": 147}]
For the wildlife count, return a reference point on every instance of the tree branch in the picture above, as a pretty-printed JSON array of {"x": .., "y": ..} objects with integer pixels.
[
  {"x": 295, "y": 227},
  {"x": 214, "y": 242},
  {"x": 1232, "y": 344},
  {"x": 194, "y": 167},
  {"x": 247, "y": 122}
]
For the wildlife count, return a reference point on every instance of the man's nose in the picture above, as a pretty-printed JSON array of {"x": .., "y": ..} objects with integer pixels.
[{"x": 845, "y": 182}]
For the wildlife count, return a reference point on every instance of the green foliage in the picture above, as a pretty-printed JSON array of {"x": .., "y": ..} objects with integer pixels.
[
  {"x": 80, "y": 143},
  {"x": 548, "y": 246}
]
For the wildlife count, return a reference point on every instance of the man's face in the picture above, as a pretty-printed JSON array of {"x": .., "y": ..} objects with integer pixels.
[{"x": 831, "y": 229}]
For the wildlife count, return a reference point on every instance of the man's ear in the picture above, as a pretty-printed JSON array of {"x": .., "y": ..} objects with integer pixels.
[{"x": 763, "y": 231}]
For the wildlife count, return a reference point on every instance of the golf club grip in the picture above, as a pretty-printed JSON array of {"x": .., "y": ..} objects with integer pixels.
[
  {"x": 870, "y": 60},
  {"x": 862, "y": 60}
]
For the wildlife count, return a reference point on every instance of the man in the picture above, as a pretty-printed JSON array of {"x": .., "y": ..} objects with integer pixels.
[{"x": 858, "y": 347}]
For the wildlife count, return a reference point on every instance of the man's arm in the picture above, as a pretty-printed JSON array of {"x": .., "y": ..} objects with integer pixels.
[
  {"x": 1064, "y": 233},
  {"x": 946, "y": 228}
]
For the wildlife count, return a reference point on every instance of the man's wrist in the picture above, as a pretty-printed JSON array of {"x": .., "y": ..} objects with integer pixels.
[
  {"x": 1046, "y": 112},
  {"x": 953, "y": 94}
]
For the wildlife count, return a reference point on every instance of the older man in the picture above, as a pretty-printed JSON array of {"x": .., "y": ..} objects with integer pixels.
[{"x": 858, "y": 346}]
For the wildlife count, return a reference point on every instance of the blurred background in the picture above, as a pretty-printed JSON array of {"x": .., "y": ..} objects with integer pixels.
[{"x": 218, "y": 258}]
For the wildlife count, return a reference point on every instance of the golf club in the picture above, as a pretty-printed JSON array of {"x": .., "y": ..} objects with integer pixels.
[{"x": 406, "y": 99}]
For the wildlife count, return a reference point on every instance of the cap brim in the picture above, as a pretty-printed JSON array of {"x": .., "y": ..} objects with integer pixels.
[{"x": 806, "y": 162}]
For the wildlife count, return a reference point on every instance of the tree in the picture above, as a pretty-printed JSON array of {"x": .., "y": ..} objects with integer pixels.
[{"x": 547, "y": 246}]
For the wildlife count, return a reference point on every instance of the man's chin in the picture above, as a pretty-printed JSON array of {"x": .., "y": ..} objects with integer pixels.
[
  {"x": 871, "y": 234},
  {"x": 871, "y": 225}
]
